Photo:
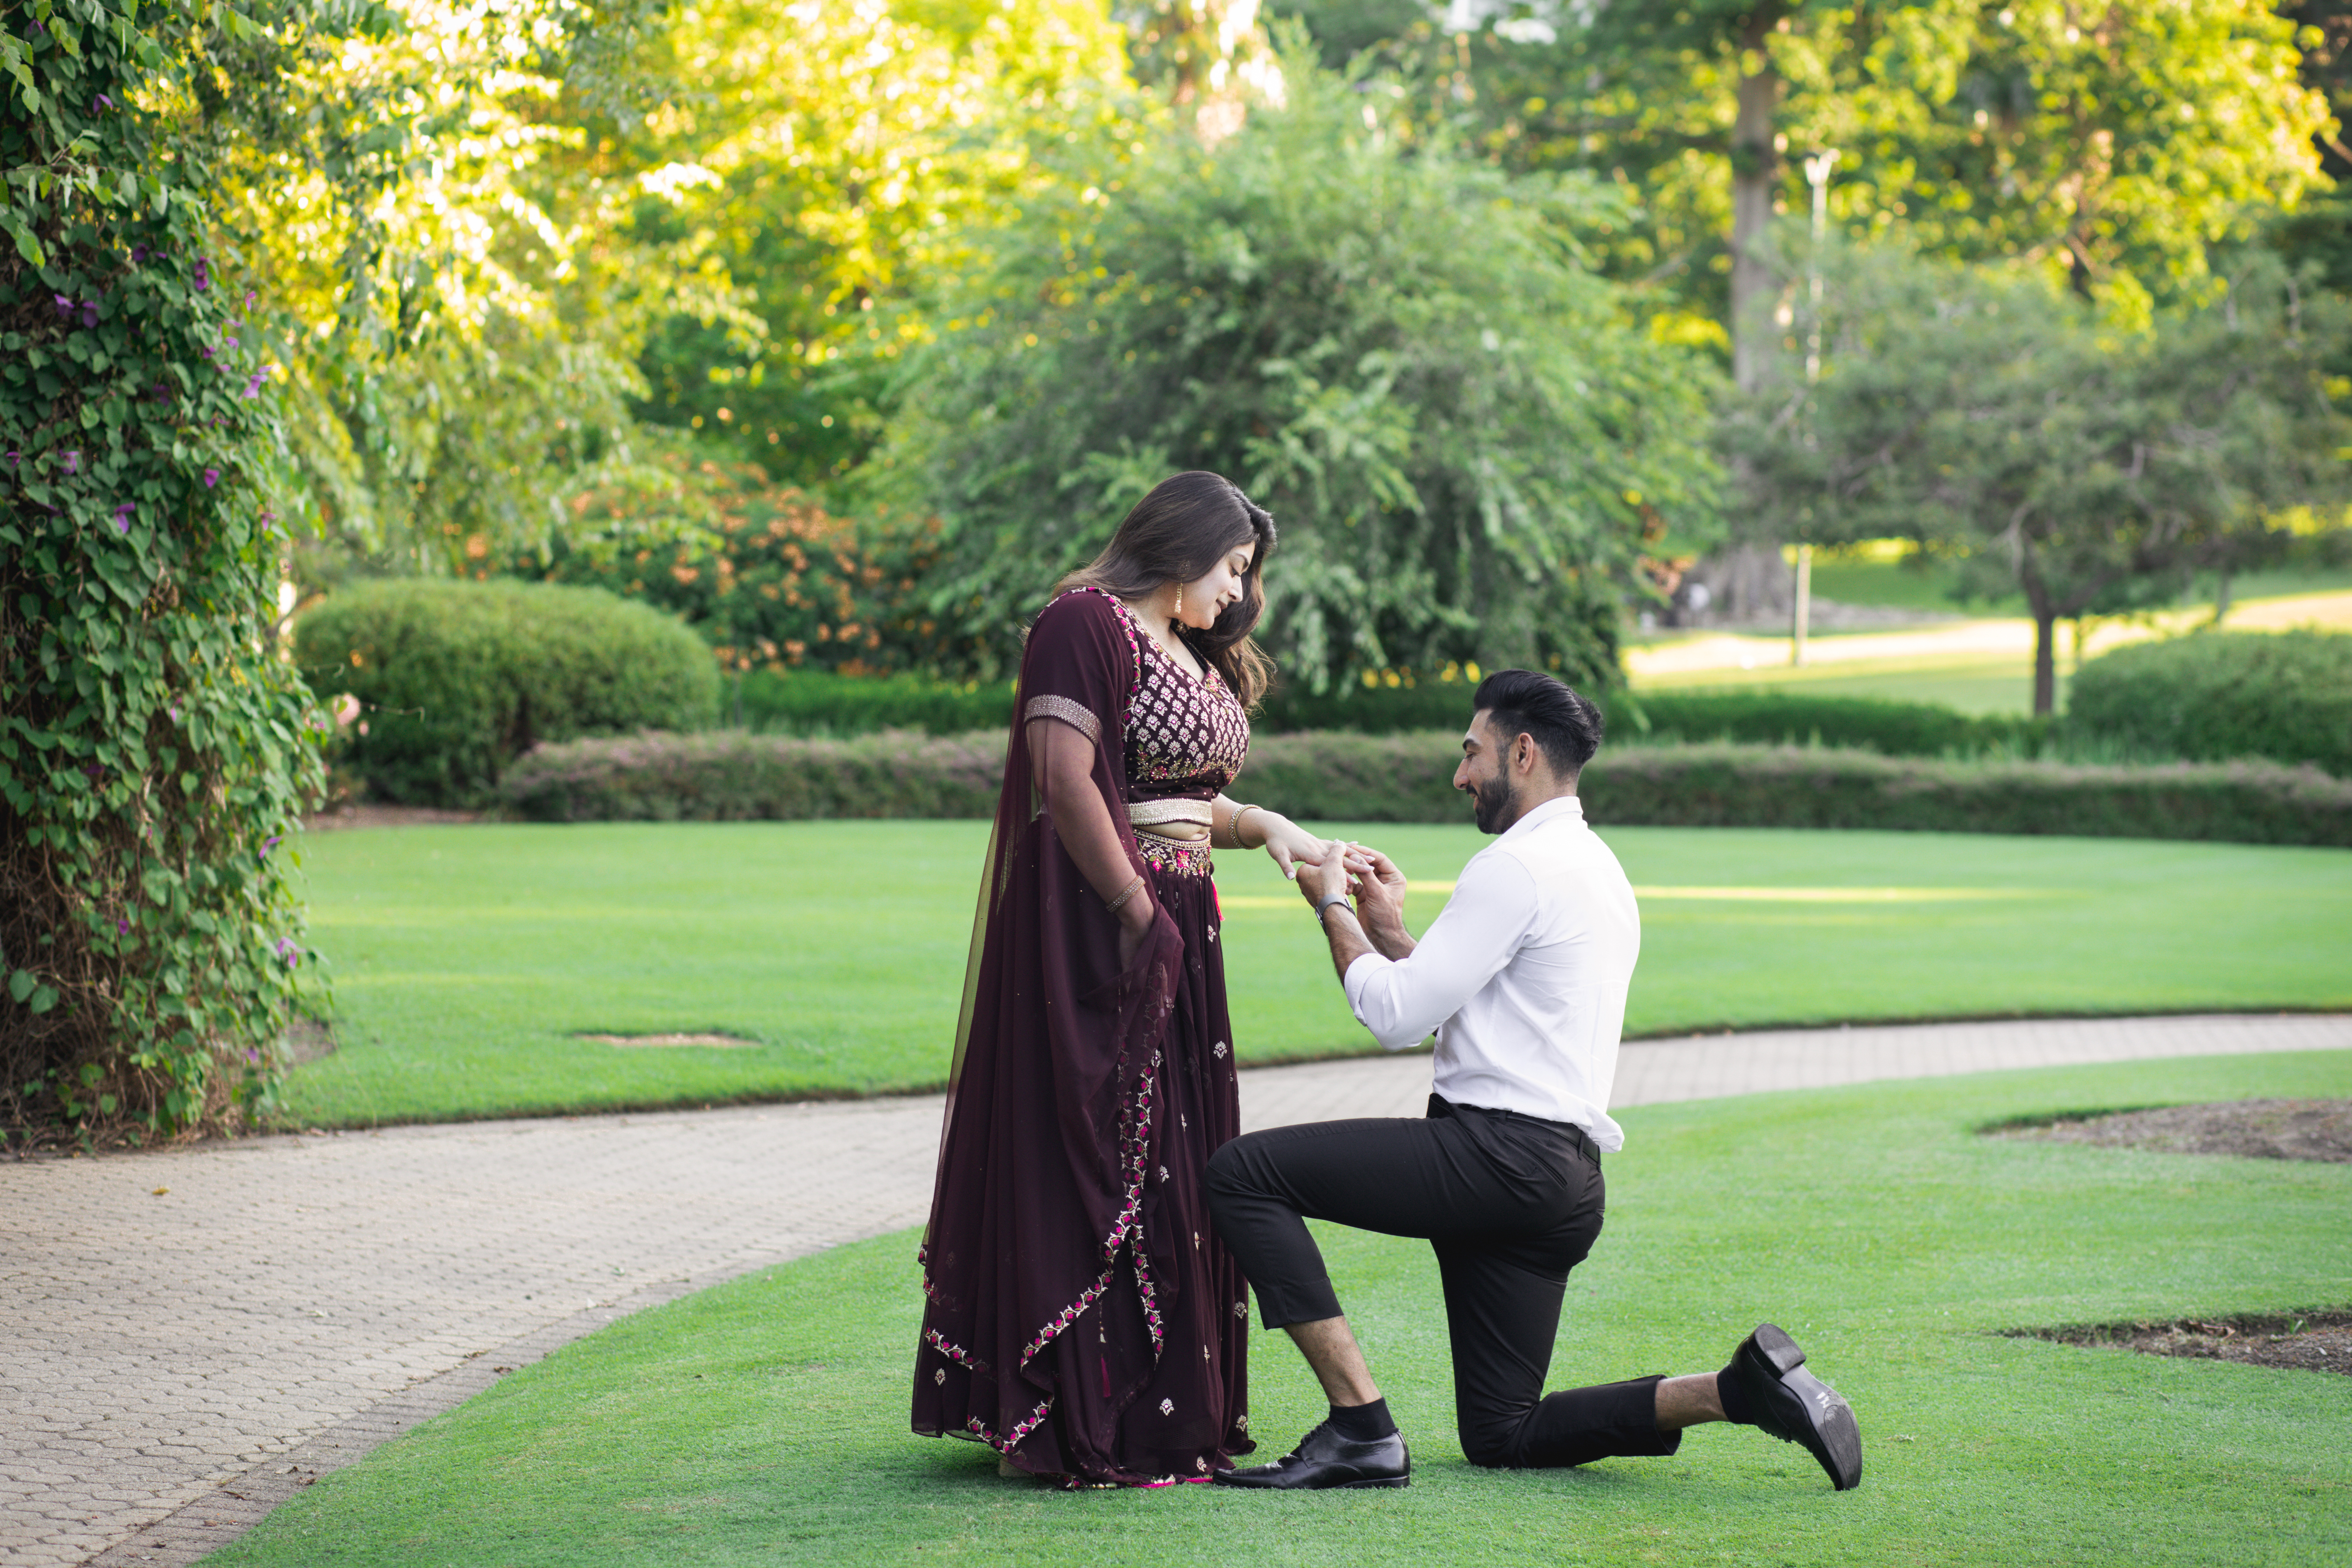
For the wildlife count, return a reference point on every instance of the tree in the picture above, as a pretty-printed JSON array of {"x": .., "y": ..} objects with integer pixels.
[
  {"x": 2114, "y": 141},
  {"x": 1999, "y": 421},
  {"x": 440, "y": 219},
  {"x": 829, "y": 163},
  {"x": 1467, "y": 447}
]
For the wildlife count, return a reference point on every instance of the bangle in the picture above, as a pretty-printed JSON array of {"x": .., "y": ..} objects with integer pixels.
[
  {"x": 1233, "y": 824},
  {"x": 1334, "y": 898},
  {"x": 1126, "y": 893}
]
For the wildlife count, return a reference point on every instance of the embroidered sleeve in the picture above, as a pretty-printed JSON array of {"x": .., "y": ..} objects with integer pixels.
[{"x": 1067, "y": 712}]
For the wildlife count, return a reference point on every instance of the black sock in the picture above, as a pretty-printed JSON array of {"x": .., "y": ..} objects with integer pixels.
[
  {"x": 1362, "y": 1422},
  {"x": 1735, "y": 1398}
]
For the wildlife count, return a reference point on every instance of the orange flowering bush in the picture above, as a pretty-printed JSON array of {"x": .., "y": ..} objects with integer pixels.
[{"x": 769, "y": 577}]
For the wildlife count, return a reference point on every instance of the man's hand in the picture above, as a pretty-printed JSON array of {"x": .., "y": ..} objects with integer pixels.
[
  {"x": 1326, "y": 880},
  {"x": 1378, "y": 887}
]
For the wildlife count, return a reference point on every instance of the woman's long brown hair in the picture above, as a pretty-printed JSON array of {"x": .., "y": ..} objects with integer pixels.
[{"x": 1174, "y": 535}]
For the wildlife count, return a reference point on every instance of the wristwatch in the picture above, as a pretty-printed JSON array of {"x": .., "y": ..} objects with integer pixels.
[{"x": 1334, "y": 898}]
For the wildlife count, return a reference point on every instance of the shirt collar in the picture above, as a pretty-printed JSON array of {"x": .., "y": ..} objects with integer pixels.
[{"x": 1565, "y": 805}]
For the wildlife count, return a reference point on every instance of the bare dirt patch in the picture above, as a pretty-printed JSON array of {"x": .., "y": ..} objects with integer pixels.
[
  {"x": 2305, "y": 1341},
  {"x": 2255, "y": 1128},
  {"x": 306, "y": 1040},
  {"x": 719, "y": 1042},
  {"x": 369, "y": 814}
]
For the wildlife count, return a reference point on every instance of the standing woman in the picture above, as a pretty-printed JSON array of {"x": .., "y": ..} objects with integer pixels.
[{"x": 1083, "y": 1319}]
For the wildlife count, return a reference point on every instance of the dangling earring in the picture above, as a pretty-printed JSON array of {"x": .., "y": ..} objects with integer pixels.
[{"x": 1179, "y": 601}]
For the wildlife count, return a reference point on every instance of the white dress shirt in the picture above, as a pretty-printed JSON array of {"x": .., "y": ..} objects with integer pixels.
[{"x": 1523, "y": 975}]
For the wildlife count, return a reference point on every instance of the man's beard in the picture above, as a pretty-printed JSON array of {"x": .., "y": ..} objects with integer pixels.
[{"x": 1494, "y": 800}]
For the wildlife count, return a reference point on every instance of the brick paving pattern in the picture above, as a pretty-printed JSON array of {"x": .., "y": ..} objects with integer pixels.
[{"x": 180, "y": 1362}]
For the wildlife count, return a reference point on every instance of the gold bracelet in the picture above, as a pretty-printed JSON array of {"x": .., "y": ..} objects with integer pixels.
[
  {"x": 1233, "y": 824},
  {"x": 1126, "y": 895}
]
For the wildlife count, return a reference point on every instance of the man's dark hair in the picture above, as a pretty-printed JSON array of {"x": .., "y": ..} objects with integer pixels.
[{"x": 1565, "y": 726}]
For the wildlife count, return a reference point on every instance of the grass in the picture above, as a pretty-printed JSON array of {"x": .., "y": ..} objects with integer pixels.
[
  {"x": 764, "y": 1421},
  {"x": 467, "y": 960}
]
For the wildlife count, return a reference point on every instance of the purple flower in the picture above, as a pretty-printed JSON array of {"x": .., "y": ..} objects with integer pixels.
[
  {"x": 204, "y": 274},
  {"x": 249, "y": 298},
  {"x": 65, "y": 304},
  {"x": 121, "y": 928},
  {"x": 73, "y": 461},
  {"x": 232, "y": 343},
  {"x": 89, "y": 313},
  {"x": 101, "y": 102},
  {"x": 14, "y": 457},
  {"x": 175, "y": 712},
  {"x": 288, "y": 952},
  {"x": 138, "y": 253},
  {"x": 253, "y": 387},
  {"x": 123, "y": 515},
  {"x": 212, "y": 478}
]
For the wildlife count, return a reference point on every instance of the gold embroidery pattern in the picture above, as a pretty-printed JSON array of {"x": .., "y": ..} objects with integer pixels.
[{"x": 1067, "y": 712}]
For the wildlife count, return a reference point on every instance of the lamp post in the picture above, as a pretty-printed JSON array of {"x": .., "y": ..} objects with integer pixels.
[{"x": 1817, "y": 175}]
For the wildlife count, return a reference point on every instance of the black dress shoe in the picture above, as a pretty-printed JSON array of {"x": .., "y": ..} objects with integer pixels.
[
  {"x": 1324, "y": 1459},
  {"x": 1796, "y": 1406}
]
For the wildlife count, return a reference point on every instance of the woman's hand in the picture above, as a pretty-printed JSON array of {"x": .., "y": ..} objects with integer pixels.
[
  {"x": 1135, "y": 918},
  {"x": 1288, "y": 845}
]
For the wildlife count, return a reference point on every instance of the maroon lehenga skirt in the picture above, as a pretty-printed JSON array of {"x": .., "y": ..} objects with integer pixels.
[{"x": 1141, "y": 1377}]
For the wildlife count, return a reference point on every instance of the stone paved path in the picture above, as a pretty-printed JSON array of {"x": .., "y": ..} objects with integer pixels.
[{"x": 193, "y": 1335}]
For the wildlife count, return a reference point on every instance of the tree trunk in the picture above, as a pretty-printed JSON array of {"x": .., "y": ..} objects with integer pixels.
[
  {"x": 1755, "y": 170},
  {"x": 2045, "y": 661}
]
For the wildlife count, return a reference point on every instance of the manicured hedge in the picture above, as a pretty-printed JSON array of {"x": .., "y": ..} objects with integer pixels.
[
  {"x": 818, "y": 702},
  {"x": 726, "y": 775},
  {"x": 456, "y": 679},
  {"x": 2214, "y": 694},
  {"x": 1342, "y": 777},
  {"x": 814, "y": 703}
]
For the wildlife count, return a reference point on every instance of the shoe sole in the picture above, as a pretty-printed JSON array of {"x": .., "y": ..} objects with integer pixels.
[
  {"x": 1334, "y": 1486},
  {"x": 1829, "y": 1432}
]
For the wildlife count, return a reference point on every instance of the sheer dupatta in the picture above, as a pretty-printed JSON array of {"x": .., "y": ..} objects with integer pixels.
[{"x": 1037, "y": 1206}]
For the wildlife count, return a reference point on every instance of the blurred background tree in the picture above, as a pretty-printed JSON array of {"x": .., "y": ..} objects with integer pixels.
[
  {"x": 1401, "y": 351},
  {"x": 1998, "y": 421},
  {"x": 831, "y": 164}
]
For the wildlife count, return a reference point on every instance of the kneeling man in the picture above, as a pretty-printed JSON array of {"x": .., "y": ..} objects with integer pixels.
[{"x": 1524, "y": 977}]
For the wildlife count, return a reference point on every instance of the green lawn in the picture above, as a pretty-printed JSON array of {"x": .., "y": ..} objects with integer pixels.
[
  {"x": 765, "y": 1421},
  {"x": 467, "y": 961}
]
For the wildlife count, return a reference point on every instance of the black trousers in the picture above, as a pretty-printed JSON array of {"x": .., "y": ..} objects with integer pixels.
[{"x": 1509, "y": 1203}]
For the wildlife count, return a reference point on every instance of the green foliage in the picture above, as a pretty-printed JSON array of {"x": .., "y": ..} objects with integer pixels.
[
  {"x": 459, "y": 297},
  {"x": 1402, "y": 357},
  {"x": 1998, "y": 423},
  {"x": 729, "y": 776},
  {"x": 818, "y": 702},
  {"x": 1340, "y": 777},
  {"x": 449, "y": 681},
  {"x": 815, "y": 703},
  {"x": 154, "y": 751},
  {"x": 2218, "y": 695},
  {"x": 1408, "y": 778},
  {"x": 771, "y": 579},
  {"x": 824, "y": 167},
  {"x": 2115, "y": 144}
]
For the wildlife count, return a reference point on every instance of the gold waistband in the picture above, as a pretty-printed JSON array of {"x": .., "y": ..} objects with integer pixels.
[
  {"x": 1148, "y": 813},
  {"x": 1156, "y": 817}
]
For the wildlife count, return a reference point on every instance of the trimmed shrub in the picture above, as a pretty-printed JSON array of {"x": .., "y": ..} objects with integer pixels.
[
  {"x": 2216, "y": 695},
  {"x": 729, "y": 776},
  {"x": 454, "y": 679},
  {"x": 807, "y": 702},
  {"x": 816, "y": 703},
  {"x": 1343, "y": 777}
]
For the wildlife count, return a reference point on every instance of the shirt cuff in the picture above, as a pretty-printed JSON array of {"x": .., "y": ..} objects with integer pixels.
[{"x": 1358, "y": 979}]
